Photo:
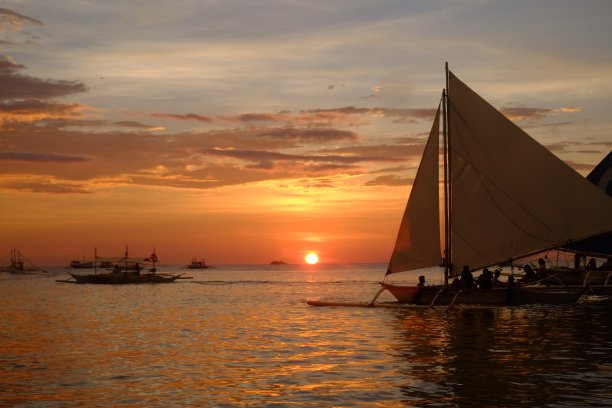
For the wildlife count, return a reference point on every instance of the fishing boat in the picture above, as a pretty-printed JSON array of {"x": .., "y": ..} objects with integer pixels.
[
  {"x": 19, "y": 264},
  {"x": 125, "y": 270},
  {"x": 122, "y": 278},
  {"x": 198, "y": 264},
  {"x": 503, "y": 197},
  {"x": 76, "y": 264}
]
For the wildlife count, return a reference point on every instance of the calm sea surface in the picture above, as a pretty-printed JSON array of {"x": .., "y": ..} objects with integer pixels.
[{"x": 243, "y": 336}]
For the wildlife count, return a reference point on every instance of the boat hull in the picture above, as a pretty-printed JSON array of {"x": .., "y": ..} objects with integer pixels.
[
  {"x": 445, "y": 296},
  {"x": 550, "y": 295},
  {"x": 405, "y": 294},
  {"x": 124, "y": 278}
]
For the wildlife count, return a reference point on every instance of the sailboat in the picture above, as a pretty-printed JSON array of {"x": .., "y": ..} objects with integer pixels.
[{"x": 504, "y": 197}]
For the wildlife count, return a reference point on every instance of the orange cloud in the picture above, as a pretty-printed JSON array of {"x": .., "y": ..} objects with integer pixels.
[{"x": 31, "y": 110}]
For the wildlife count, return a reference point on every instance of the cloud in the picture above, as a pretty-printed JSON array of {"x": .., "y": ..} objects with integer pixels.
[
  {"x": 266, "y": 156},
  {"x": 187, "y": 116},
  {"x": 43, "y": 185},
  {"x": 390, "y": 180},
  {"x": 15, "y": 20},
  {"x": 40, "y": 157},
  {"x": 309, "y": 135},
  {"x": 381, "y": 151},
  {"x": 11, "y": 24},
  {"x": 31, "y": 110},
  {"x": 18, "y": 86},
  {"x": 524, "y": 113},
  {"x": 137, "y": 125}
]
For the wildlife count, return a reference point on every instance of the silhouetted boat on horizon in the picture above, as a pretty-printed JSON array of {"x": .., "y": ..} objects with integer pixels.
[
  {"x": 125, "y": 270},
  {"x": 198, "y": 264}
]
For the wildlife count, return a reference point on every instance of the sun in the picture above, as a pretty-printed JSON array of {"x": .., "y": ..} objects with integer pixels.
[{"x": 312, "y": 258}]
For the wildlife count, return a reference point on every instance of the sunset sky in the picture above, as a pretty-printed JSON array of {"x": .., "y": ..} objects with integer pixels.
[{"x": 251, "y": 131}]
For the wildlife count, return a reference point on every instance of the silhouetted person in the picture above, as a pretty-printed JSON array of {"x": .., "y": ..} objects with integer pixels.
[
  {"x": 484, "y": 280},
  {"x": 467, "y": 279},
  {"x": 542, "y": 273},
  {"x": 592, "y": 265},
  {"x": 607, "y": 266},
  {"x": 530, "y": 275},
  {"x": 495, "y": 280},
  {"x": 421, "y": 281},
  {"x": 577, "y": 258}
]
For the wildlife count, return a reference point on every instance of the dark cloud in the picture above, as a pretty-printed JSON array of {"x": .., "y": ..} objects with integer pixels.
[
  {"x": 186, "y": 116},
  {"x": 397, "y": 114},
  {"x": 40, "y": 157},
  {"x": 267, "y": 156},
  {"x": 43, "y": 186},
  {"x": 18, "y": 86},
  {"x": 309, "y": 135}
]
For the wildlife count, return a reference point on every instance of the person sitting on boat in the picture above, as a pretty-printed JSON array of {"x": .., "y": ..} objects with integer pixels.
[
  {"x": 530, "y": 275},
  {"x": 495, "y": 282},
  {"x": 607, "y": 266},
  {"x": 592, "y": 265},
  {"x": 421, "y": 281},
  {"x": 577, "y": 259},
  {"x": 541, "y": 273},
  {"x": 456, "y": 283},
  {"x": 484, "y": 280},
  {"x": 467, "y": 279}
]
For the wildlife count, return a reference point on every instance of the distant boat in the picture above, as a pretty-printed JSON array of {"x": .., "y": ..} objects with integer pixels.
[
  {"x": 278, "y": 263},
  {"x": 125, "y": 270},
  {"x": 122, "y": 278},
  {"x": 76, "y": 264},
  {"x": 505, "y": 197},
  {"x": 18, "y": 264},
  {"x": 195, "y": 264}
]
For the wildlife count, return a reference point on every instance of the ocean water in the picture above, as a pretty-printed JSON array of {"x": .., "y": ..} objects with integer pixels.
[{"x": 240, "y": 336}]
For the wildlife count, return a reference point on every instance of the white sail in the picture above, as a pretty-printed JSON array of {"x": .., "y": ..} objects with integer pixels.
[
  {"x": 418, "y": 240},
  {"x": 510, "y": 195}
]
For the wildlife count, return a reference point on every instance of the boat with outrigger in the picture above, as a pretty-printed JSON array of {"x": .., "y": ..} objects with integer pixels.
[
  {"x": 20, "y": 265},
  {"x": 494, "y": 212},
  {"x": 125, "y": 270}
]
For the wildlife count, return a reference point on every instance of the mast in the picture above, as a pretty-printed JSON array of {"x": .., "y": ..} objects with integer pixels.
[{"x": 447, "y": 190}]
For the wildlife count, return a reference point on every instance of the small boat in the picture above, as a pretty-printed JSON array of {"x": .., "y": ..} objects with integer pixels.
[
  {"x": 76, "y": 264},
  {"x": 18, "y": 264},
  {"x": 125, "y": 270},
  {"x": 122, "y": 278},
  {"x": 195, "y": 264},
  {"x": 278, "y": 263}
]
